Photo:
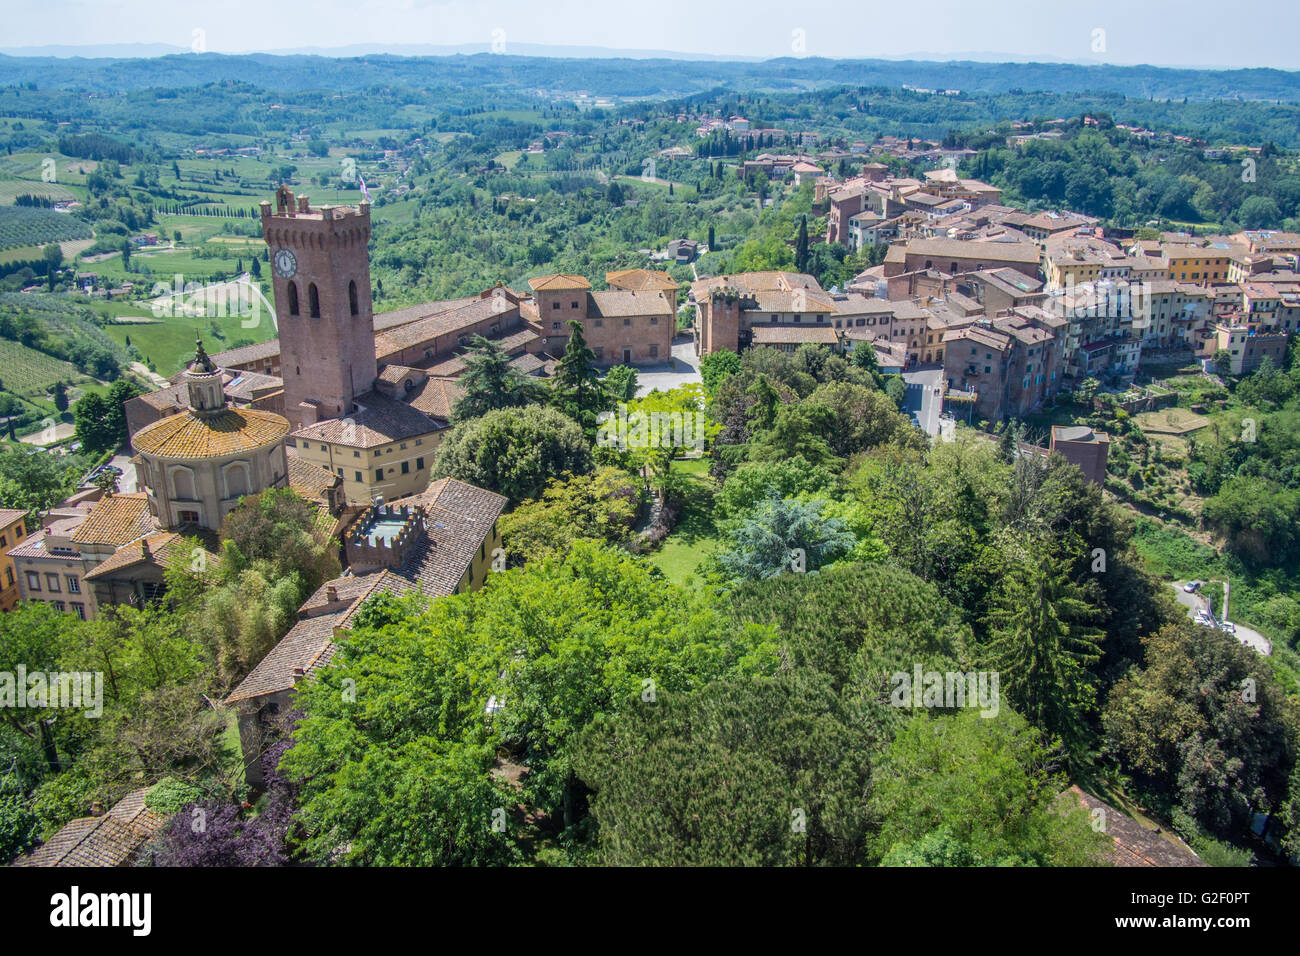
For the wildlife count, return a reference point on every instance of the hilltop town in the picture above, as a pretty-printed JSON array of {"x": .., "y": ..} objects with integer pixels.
[{"x": 557, "y": 480}]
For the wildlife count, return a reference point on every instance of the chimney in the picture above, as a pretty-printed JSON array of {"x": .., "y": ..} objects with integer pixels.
[
  {"x": 331, "y": 593},
  {"x": 96, "y": 809}
]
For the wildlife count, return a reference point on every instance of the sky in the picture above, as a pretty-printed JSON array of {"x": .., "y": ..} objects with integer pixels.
[{"x": 1192, "y": 33}]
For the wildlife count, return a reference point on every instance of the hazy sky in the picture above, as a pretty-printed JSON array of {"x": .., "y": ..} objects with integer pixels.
[{"x": 1207, "y": 33}]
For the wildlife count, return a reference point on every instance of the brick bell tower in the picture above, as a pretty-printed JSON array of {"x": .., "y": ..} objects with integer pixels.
[{"x": 321, "y": 276}]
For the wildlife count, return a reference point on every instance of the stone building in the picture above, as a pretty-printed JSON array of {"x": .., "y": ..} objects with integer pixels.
[
  {"x": 13, "y": 531},
  {"x": 321, "y": 277},
  {"x": 54, "y": 564},
  {"x": 115, "y": 838},
  {"x": 441, "y": 541},
  {"x": 1083, "y": 447},
  {"x": 627, "y": 326},
  {"x": 197, "y": 465},
  {"x": 731, "y": 307}
]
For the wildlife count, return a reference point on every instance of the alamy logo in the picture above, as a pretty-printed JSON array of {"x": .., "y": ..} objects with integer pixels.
[
  {"x": 935, "y": 689},
  {"x": 70, "y": 690},
  {"x": 211, "y": 300},
  {"x": 74, "y": 909},
  {"x": 642, "y": 429}
]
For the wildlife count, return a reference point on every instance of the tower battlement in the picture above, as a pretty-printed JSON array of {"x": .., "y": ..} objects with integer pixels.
[
  {"x": 320, "y": 272},
  {"x": 382, "y": 536}
]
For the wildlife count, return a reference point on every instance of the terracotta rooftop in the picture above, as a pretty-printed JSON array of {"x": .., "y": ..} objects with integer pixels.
[
  {"x": 189, "y": 436},
  {"x": 116, "y": 520},
  {"x": 308, "y": 645},
  {"x": 108, "y": 840},
  {"x": 378, "y": 420},
  {"x": 1135, "y": 844},
  {"x": 751, "y": 282},
  {"x": 975, "y": 333},
  {"x": 413, "y": 313},
  {"x": 993, "y": 251},
  {"x": 163, "y": 548},
  {"x": 9, "y": 515},
  {"x": 431, "y": 327},
  {"x": 309, "y": 480},
  {"x": 238, "y": 385},
  {"x": 435, "y": 397},
  {"x": 641, "y": 280},
  {"x": 247, "y": 353},
  {"x": 528, "y": 363},
  {"x": 620, "y": 303},
  {"x": 560, "y": 281},
  {"x": 790, "y": 334}
]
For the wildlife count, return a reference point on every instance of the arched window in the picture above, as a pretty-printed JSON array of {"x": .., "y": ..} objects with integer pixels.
[
  {"x": 293, "y": 298},
  {"x": 183, "y": 483},
  {"x": 236, "y": 479},
  {"x": 352, "y": 296},
  {"x": 313, "y": 300}
]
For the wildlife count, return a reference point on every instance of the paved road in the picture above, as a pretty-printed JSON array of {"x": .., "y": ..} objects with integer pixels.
[
  {"x": 141, "y": 369},
  {"x": 1195, "y": 602},
  {"x": 921, "y": 400},
  {"x": 125, "y": 484},
  {"x": 684, "y": 368}
]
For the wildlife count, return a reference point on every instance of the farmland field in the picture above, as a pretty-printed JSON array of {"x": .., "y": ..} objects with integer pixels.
[
  {"x": 28, "y": 373},
  {"x": 25, "y": 226},
  {"x": 11, "y": 189},
  {"x": 71, "y": 249}
]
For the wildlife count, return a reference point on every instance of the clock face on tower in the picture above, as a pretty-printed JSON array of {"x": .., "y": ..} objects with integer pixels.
[{"x": 286, "y": 263}]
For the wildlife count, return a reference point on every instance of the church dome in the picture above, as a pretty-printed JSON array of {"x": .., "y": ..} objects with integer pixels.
[{"x": 230, "y": 431}]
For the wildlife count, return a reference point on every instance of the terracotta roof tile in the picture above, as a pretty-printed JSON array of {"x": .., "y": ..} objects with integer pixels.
[
  {"x": 641, "y": 280},
  {"x": 229, "y": 432},
  {"x": 300, "y": 650},
  {"x": 161, "y": 548},
  {"x": 309, "y": 480},
  {"x": 9, "y": 515},
  {"x": 378, "y": 420},
  {"x": 109, "y": 840},
  {"x": 436, "y": 397},
  {"x": 1135, "y": 844},
  {"x": 787, "y": 334},
  {"x": 443, "y": 323},
  {"x": 248, "y": 353},
  {"x": 115, "y": 520},
  {"x": 560, "y": 281},
  {"x": 619, "y": 303},
  {"x": 458, "y": 519}
]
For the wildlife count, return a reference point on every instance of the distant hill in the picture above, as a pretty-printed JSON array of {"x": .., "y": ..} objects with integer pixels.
[{"x": 640, "y": 78}]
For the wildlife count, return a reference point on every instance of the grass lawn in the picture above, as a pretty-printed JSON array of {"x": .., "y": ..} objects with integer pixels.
[
  {"x": 169, "y": 344},
  {"x": 1171, "y": 421},
  {"x": 695, "y": 536}
]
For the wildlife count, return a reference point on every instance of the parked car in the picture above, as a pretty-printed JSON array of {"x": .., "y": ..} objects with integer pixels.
[
  {"x": 1228, "y": 626},
  {"x": 1192, "y": 586}
]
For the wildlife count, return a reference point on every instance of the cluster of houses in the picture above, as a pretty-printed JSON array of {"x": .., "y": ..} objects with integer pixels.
[{"x": 1013, "y": 306}]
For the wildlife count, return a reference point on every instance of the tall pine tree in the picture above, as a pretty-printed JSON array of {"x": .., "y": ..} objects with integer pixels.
[{"x": 576, "y": 390}]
